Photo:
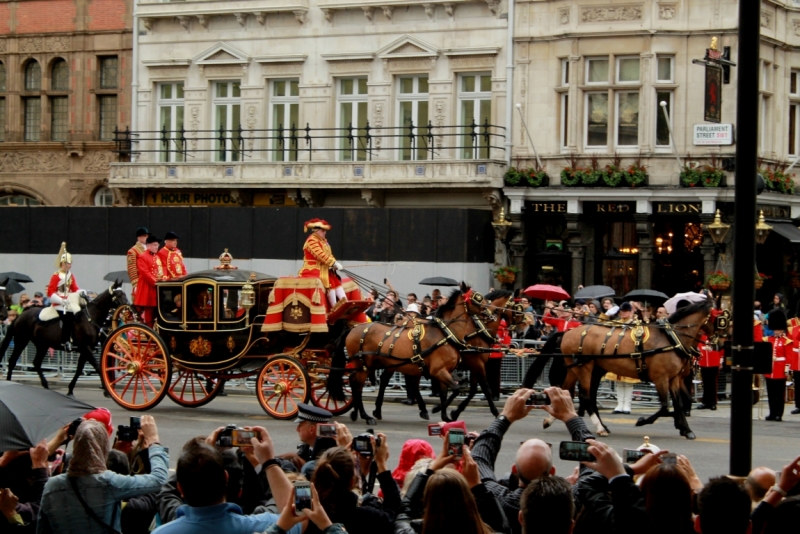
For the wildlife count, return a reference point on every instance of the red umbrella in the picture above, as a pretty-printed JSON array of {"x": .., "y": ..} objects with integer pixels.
[{"x": 546, "y": 292}]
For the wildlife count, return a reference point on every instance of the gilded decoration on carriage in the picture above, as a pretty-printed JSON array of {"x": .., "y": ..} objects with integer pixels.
[
  {"x": 200, "y": 347},
  {"x": 230, "y": 344}
]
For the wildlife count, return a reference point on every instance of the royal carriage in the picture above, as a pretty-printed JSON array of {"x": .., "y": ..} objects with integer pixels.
[{"x": 228, "y": 324}]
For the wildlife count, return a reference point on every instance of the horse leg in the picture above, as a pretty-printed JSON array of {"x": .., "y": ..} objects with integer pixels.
[
  {"x": 437, "y": 409},
  {"x": 597, "y": 377},
  {"x": 662, "y": 387},
  {"x": 357, "y": 380},
  {"x": 423, "y": 409},
  {"x": 41, "y": 351},
  {"x": 78, "y": 372},
  {"x": 588, "y": 394},
  {"x": 12, "y": 360},
  {"x": 386, "y": 376},
  {"x": 473, "y": 389},
  {"x": 678, "y": 410},
  {"x": 569, "y": 382}
]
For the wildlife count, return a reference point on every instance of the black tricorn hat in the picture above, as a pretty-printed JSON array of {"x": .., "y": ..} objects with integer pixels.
[
  {"x": 142, "y": 231},
  {"x": 171, "y": 235},
  {"x": 152, "y": 239},
  {"x": 776, "y": 320}
]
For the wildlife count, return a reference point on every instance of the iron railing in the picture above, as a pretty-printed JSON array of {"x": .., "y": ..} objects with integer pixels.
[{"x": 353, "y": 143}]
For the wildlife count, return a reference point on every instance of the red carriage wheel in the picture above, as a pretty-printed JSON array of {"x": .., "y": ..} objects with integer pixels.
[
  {"x": 322, "y": 397},
  {"x": 192, "y": 389},
  {"x": 135, "y": 367},
  {"x": 282, "y": 385}
]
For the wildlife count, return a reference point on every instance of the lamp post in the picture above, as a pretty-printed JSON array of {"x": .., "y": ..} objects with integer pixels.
[
  {"x": 762, "y": 229},
  {"x": 718, "y": 230}
]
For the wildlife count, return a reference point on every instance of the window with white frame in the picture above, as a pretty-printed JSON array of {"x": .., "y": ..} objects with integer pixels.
[
  {"x": 664, "y": 69},
  {"x": 765, "y": 111},
  {"x": 665, "y": 77},
  {"x": 475, "y": 103},
  {"x": 285, "y": 100},
  {"x": 352, "y": 120},
  {"x": 104, "y": 197},
  {"x": 412, "y": 103},
  {"x": 794, "y": 113},
  {"x": 563, "y": 99},
  {"x": 614, "y": 97},
  {"x": 170, "y": 122},
  {"x": 227, "y": 103},
  {"x": 597, "y": 71}
]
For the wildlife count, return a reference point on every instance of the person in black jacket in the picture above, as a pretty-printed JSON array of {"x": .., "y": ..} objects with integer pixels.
[
  {"x": 436, "y": 492},
  {"x": 335, "y": 480},
  {"x": 19, "y": 515}
]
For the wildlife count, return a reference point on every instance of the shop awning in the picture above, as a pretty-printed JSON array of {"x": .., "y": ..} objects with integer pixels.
[{"x": 789, "y": 231}]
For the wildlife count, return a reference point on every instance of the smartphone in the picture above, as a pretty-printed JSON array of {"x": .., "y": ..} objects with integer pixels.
[
  {"x": 326, "y": 430},
  {"x": 434, "y": 429},
  {"x": 136, "y": 423},
  {"x": 634, "y": 455},
  {"x": 302, "y": 496},
  {"x": 538, "y": 399},
  {"x": 670, "y": 458},
  {"x": 241, "y": 438},
  {"x": 577, "y": 451},
  {"x": 455, "y": 442}
]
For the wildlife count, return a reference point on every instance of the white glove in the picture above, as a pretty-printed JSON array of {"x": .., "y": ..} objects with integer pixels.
[
  {"x": 612, "y": 311},
  {"x": 337, "y": 266},
  {"x": 56, "y": 299}
]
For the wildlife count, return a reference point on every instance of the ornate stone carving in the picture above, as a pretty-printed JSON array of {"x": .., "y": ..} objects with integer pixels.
[
  {"x": 466, "y": 62},
  {"x": 225, "y": 70},
  {"x": 33, "y": 162},
  {"x": 328, "y": 13},
  {"x": 409, "y": 65},
  {"x": 796, "y": 26},
  {"x": 611, "y": 13},
  {"x": 439, "y": 116},
  {"x": 3, "y": 46},
  {"x": 184, "y": 21},
  {"x": 494, "y": 6},
  {"x": 251, "y": 125},
  {"x": 766, "y": 19},
  {"x": 523, "y": 90},
  {"x": 29, "y": 45},
  {"x": 203, "y": 20},
  {"x": 97, "y": 161},
  {"x": 194, "y": 125},
  {"x": 282, "y": 68},
  {"x": 388, "y": 11},
  {"x": 148, "y": 23},
  {"x": 261, "y": 18},
  {"x": 377, "y": 122},
  {"x": 241, "y": 18},
  {"x": 301, "y": 16},
  {"x": 430, "y": 10},
  {"x": 563, "y": 15},
  {"x": 666, "y": 11},
  {"x": 368, "y": 12},
  {"x": 450, "y": 10}
]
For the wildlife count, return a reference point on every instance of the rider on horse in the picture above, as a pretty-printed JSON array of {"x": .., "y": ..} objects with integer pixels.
[
  {"x": 62, "y": 285},
  {"x": 318, "y": 260}
]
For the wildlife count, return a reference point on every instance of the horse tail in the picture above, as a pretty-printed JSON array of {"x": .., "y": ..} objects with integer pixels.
[
  {"x": 6, "y": 341},
  {"x": 338, "y": 362},
  {"x": 551, "y": 346}
]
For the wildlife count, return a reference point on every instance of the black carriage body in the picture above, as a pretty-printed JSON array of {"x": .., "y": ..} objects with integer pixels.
[{"x": 205, "y": 328}]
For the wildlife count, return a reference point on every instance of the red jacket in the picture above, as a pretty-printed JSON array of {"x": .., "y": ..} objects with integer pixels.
[
  {"x": 56, "y": 281},
  {"x": 561, "y": 324},
  {"x": 151, "y": 270},
  {"x": 709, "y": 356},
  {"x": 781, "y": 356},
  {"x": 503, "y": 339},
  {"x": 172, "y": 260}
]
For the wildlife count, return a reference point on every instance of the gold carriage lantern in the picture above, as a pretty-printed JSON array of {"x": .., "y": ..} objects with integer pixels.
[
  {"x": 762, "y": 229},
  {"x": 248, "y": 297},
  {"x": 718, "y": 229}
]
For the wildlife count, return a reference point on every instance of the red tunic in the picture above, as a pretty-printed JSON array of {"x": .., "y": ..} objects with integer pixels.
[
  {"x": 709, "y": 356},
  {"x": 57, "y": 280},
  {"x": 561, "y": 324},
  {"x": 781, "y": 356},
  {"x": 151, "y": 270},
  {"x": 503, "y": 340},
  {"x": 172, "y": 260},
  {"x": 794, "y": 361},
  {"x": 317, "y": 261},
  {"x": 133, "y": 272}
]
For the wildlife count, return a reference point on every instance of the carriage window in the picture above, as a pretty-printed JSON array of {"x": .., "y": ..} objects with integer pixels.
[
  {"x": 229, "y": 308},
  {"x": 200, "y": 302},
  {"x": 263, "y": 298},
  {"x": 171, "y": 303}
]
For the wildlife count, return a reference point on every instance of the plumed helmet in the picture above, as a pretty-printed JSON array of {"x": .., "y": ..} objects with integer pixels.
[
  {"x": 63, "y": 255},
  {"x": 316, "y": 224}
]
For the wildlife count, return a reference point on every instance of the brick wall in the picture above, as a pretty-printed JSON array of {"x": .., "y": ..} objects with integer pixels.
[
  {"x": 5, "y": 19},
  {"x": 106, "y": 15},
  {"x": 46, "y": 16}
]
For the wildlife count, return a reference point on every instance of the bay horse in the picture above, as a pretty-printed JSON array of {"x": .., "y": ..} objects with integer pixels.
[
  {"x": 429, "y": 347},
  {"x": 658, "y": 353},
  {"x": 479, "y": 333},
  {"x": 46, "y": 335}
]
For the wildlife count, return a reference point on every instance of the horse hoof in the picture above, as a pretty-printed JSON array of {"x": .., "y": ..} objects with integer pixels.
[
  {"x": 690, "y": 435},
  {"x": 371, "y": 421},
  {"x": 354, "y": 416},
  {"x": 377, "y": 415},
  {"x": 425, "y": 416},
  {"x": 437, "y": 409},
  {"x": 641, "y": 422}
]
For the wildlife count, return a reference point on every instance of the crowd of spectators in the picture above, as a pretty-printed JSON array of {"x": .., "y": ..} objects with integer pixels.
[{"x": 122, "y": 485}]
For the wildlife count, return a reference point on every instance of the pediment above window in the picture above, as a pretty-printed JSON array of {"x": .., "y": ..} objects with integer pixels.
[{"x": 222, "y": 54}]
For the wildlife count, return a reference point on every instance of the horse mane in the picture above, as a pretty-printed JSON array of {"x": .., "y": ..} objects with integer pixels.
[
  {"x": 686, "y": 311},
  {"x": 497, "y": 294},
  {"x": 450, "y": 304}
]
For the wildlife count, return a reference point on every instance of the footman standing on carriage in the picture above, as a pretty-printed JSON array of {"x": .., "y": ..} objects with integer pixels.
[
  {"x": 133, "y": 255},
  {"x": 318, "y": 260},
  {"x": 61, "y": 285},
  {"x": 151, "y": 270},
  {"x": 172, "y": 257},
  {"x": 781, "y": 358}
]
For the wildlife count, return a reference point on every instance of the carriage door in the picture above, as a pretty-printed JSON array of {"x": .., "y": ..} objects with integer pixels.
[{"x": 199, "y": 306}]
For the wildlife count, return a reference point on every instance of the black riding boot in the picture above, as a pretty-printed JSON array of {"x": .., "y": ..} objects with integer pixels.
[{"x": 67, "y": 321}]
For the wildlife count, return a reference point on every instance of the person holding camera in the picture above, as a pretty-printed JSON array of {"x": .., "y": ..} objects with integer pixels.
[
  {"x": 86, "y": 500},
  {"x": 336, "y": 479}
]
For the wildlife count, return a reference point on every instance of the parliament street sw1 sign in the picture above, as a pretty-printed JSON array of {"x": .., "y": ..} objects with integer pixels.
[{"x": 713, "y": 134}]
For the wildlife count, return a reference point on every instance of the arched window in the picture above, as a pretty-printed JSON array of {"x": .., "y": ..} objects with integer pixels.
[
  {"x": 18, "y": 200},
  {"x": 60, "y": 80},
  {"x": 104, "y": 197},
  {"x": 33, "y": 76},
  {"x": 2, "y": 77}
]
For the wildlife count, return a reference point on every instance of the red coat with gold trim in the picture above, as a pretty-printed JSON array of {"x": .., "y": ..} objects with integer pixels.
[
  {"x": 151, "y": 270},
  {"x": 172, "y": 259},
  {"x": 781, "y": 356},
  {"x": 794, "y": 334},
  {"x": 709, "y": 355},
  {"x": 317, "y": 261},
  {"x": 133, "y": 254},
  {"x": 57, "y": 280}
]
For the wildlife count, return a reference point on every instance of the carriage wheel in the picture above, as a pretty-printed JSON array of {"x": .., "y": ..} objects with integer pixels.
[
  {"x": 123, "y": 315},
  {"x": 321, "y": 397},
  {"x": 136, "y": 367},
  {"x": 192, "y": 389},
  {"x": 283, "y": 383}
]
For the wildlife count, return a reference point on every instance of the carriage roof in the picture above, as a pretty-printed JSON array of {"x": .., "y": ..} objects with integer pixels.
[{"x": 223, "y": 276}]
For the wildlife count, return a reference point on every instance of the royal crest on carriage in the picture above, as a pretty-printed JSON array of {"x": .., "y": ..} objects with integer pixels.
[{"x": 200, "y": 347}]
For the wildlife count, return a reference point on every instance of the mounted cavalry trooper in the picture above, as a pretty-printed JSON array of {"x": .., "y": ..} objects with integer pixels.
[
  {"x": 172, "y": 257},
  {"x": 64, "y": 295},
  {"x": 318, "y": 260}
]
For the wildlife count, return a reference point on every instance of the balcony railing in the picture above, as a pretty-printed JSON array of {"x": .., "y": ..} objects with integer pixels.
[{"x": 350, "y": 144}]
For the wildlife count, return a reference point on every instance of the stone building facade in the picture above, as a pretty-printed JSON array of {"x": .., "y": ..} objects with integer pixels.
[
  {"x": 64, "y": 87},
  {"x": 318, "y": 103}
]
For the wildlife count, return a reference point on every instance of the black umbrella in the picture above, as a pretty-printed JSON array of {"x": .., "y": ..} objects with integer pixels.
[
  {"x": 30, "y": 414},
  {"x": 595, "y": 292},
  {"x": 439, "y": 281},
  {"x": 117, "y": 275},
  {"x": 650, "y": 296},
  {"x": 19, "y": 277},
  {"x": 12, "y": 287}
]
